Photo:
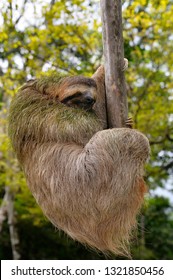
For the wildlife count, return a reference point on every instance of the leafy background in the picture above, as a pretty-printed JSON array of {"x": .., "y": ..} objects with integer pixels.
[{"x": 39, "y": 36}]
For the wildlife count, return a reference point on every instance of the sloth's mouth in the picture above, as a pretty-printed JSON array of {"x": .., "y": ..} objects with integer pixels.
[
  {"x": 86, "y": 105},
  {"x": 83, "y": 106}
]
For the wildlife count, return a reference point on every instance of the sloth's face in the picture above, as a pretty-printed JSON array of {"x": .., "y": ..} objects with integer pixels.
[{"x": 83, "y": 98}]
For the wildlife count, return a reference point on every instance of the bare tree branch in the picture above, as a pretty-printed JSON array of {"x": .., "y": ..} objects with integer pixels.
[
  {"x": 14, "y": 237},
  {"x": 22, "y": 12},
  {"x": 116, "y": 99},
  {"x": 7, "y": 211},
  {"x": 3, "y": 210}
]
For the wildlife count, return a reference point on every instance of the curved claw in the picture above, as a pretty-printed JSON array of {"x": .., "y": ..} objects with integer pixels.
[
  {"x": 129, "y": 122},
  {"x": 125, "y": 64}
]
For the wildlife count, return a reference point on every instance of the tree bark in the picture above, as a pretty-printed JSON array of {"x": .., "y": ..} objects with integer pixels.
[
  {"x": 14, "y": 237},
  {"x": 7, "y": 211},
  {"x": 116, "y": 98},
  {"x": 3, "y": 210}
]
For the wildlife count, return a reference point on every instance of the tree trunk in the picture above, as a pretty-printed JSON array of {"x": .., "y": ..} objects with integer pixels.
[
  {"x": 3, "y": 210},
  {"x": 116, "y": 99},
  {"x": 14, "y": 237}
]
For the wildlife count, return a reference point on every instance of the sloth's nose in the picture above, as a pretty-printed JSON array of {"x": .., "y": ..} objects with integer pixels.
[{"x": 89, "y": 99}]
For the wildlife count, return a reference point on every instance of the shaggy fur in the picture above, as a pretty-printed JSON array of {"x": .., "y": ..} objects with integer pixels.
[{"x": 88, "y": 181}]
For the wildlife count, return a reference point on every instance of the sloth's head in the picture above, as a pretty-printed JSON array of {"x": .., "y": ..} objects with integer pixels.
[{"x": 74, "y": 91}]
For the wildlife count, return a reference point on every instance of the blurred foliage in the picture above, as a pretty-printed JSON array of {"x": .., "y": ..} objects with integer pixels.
[{"x": 38, "y": 36}]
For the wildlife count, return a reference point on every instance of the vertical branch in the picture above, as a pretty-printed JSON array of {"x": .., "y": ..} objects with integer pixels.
[
  {"x": 142, "y": 239},
  {"x": 7, "y": 211},
  {"x": 3, "y": 210},
  {"x": 14, "y": 237},
  {"x": 116, "y": 100}
]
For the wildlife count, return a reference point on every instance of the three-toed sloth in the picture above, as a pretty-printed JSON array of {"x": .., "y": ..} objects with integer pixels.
[{"x": 88, "y": 180}]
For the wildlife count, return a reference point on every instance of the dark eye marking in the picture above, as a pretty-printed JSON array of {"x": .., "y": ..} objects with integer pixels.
[{"x": 75, "y": 95}]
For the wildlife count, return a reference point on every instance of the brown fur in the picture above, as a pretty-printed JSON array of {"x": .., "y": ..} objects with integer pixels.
[{"x": 88, "y": 181}]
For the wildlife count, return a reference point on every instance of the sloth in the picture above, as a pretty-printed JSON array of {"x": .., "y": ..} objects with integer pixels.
[{"x": 87, "y": 179}]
